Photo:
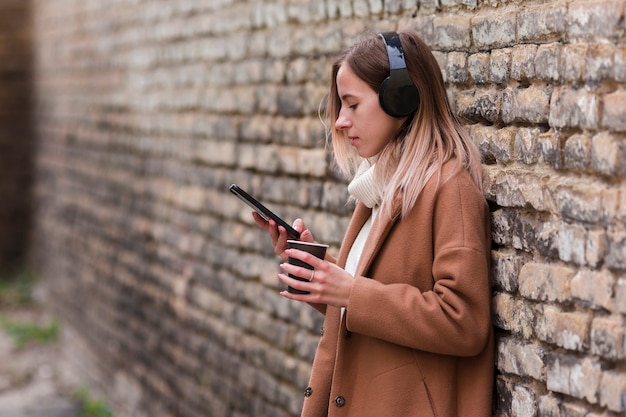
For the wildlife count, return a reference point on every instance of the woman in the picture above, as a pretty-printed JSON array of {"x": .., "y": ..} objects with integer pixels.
[{"x": 407, "y": 301}]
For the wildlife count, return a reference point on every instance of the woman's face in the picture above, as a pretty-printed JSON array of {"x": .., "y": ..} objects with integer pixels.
[{"x": 361, "y": 119}]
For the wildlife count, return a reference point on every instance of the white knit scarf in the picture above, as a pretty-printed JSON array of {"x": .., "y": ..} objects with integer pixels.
[{"x": 364, "y": 186}]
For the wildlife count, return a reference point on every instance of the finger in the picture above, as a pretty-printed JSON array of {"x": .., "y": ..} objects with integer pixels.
[
  {"x": 306, "y": 257},
  {"x": 295, "y": 284},
  {"x": 272, "y": 229},
  {"x": 281, "y": 240},
  {"x": 260, "y": 221},
  {"x": 305, "y": 234},
  {"x": 298, "y": 271}
]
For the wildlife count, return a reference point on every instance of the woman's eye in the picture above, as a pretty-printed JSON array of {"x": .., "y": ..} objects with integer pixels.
[{"x": 352, "y": 106}]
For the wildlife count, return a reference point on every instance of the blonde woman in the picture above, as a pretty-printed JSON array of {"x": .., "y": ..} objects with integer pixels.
[{"x": 407, "y": 330}]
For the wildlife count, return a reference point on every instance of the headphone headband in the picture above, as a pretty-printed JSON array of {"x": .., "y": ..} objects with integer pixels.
[{"x": 394, "y": 50}]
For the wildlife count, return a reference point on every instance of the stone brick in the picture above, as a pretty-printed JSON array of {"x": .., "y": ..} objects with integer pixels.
[
  {"x": 567, "y": 330},
  {"x": 506, "y": 267},
  {"x": 619, "y": 64},
  {"x": 523, "y": 62},
  {"x": 503, "y": 144},
  {"x": 482, "y": 137},
  {"x": 545, "y": 282},
  {"x": 541, "y": 22},
  {"x": 580, "y": 378},
  {"x": 494, "y": 30},
  {"x": 524, "y": 401},
  {"x": 478, "y": 67},
  {"x": 594, "y": 287},
  {"x": 616, "y": 254},
  {"x": 549, "y": 406},
  {"x": 456, "y": 67},
  {"x": 572, "y": 240},
  {"x": 577, "y": 153},
  {"x": 397, "y": 6},
  {"x": 621, "y": 205},
  {"x": 530, "y": 104},
  {"x": 599, "y": 63},
  {"x": 442, "y": 60},
  {"x": 258, "y": 157},
  {"x": 291, "y": 101},
  {"x": 607, "y": 337},
  {"x": 302, "y": 161},
  {"x": 524, "y": 232},
  {"x": 573, "y": 108},
  {"x": 547, "y": 62},
  {"x": 513, "y": 315},
  {"x": 526, "y": 145},
  {"x": 607, "y": 154},
  {"x": 452, "y": 32},
  {"x": 613, "y": 391},
  {"x": 591, "y": 19},
  {"x": 620, "y": 295},
  {"x": 481, "y": 105},
  {"x": 595, "y": 248},
  {"x": 431, "y": 4},
  {"x": 583, "y": 201},
  {"x": 549, "y": 150},
  {"x": 450, "y": 3},
  {"x": 614, "y": 117},
  {"x": 573, "y": 410},
  {"x": 361, "y": 8},
  {"x": 572, "y": 64},
  {"x": 306, "y": 12},
  {"x": 518, "y": 189},
  {"x": 518, "y": 358},
  {"x": 500, "y": 66}
]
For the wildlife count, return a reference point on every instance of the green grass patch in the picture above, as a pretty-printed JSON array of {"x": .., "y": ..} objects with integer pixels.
[
  {"x": 91, "y": 407},
  {"x": 24, "y": 333},
  {"x": 16, "y": 291}
]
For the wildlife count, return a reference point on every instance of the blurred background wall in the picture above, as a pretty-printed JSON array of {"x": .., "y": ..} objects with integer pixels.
[{"x": 145, "y": 111}]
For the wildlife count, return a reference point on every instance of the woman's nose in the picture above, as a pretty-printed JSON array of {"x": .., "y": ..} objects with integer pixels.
[{"x": 342, "y": 122}]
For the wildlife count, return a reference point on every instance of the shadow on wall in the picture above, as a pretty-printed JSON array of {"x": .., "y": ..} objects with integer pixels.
[{"x": 16, "y": 134}]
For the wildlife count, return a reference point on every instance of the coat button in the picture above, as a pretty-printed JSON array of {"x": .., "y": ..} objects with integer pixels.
[
  {"x": 308, "y": 391},
  {"x": 340, "y": 401}
]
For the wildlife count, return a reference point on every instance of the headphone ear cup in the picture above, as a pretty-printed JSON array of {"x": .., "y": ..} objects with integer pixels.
[
  {"x": 385, "y": 102},
  {"x": 397, "y": 95}
]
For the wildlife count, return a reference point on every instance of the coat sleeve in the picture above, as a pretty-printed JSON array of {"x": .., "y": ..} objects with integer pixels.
[{"x": 453, "y": 317}]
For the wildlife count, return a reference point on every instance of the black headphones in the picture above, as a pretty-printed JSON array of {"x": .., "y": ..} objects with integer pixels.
[{"x": 397, "y": 94}]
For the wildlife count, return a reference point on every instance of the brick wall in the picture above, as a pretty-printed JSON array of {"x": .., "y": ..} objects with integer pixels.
[
  {"x": 148, "y": 110},
  {"x": 16, "y": 139}
]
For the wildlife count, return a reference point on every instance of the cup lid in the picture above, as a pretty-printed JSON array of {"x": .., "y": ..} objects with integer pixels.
[{"x": 299, "y": 242}]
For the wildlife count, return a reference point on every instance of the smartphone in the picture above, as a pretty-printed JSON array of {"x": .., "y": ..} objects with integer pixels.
[{"x": 262, "y": 210}]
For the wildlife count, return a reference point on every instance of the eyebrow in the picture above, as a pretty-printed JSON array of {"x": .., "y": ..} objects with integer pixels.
[{"x": 347, "y": 96}]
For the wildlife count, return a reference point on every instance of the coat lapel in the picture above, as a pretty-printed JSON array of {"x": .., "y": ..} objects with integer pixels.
[{"x": 380, "y": 229}]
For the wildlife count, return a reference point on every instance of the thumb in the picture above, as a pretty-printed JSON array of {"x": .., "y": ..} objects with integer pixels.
[{"x": 305, "y": 235}]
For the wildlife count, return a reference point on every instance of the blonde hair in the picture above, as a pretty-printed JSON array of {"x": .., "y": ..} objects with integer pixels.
[{"x": 427, "y": 139}]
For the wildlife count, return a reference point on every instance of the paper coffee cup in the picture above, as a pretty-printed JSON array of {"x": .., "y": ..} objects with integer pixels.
[{"x": 316, "y": 249}]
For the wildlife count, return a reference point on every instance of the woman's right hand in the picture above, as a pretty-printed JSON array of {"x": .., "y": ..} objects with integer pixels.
[{"x": 279, "y": 234}]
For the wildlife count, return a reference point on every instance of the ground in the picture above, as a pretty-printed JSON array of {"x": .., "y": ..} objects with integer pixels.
[{"x": 34, "y": 379}]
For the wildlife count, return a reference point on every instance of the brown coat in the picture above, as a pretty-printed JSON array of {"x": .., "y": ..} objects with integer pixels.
[{"x": 416, "y": 339}]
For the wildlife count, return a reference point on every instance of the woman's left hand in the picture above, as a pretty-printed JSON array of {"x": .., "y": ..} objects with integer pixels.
[{"x": 329, "y": 284}]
